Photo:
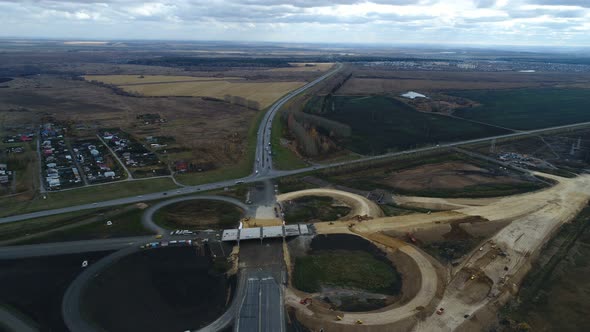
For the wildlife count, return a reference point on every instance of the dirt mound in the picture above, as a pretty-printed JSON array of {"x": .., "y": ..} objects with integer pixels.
[{"x": 449, "y": 175}]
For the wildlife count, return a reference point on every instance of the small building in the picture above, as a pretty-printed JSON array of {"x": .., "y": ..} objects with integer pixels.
[
  {"x": 53, "y": 183},
  {"x": 181, "y": 166},
  {"x": 413, "y": 95}
]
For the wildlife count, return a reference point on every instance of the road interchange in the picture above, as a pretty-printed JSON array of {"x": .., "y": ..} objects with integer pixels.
[{"x": 263, "y": 170}]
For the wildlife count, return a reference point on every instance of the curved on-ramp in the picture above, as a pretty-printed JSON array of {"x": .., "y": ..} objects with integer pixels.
[
  {"x": 147, "y": 218},
  {"x": 360, "y": 205},
  {"x": 72, "y": 300}
]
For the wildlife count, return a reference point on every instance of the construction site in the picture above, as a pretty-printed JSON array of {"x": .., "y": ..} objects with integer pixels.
[{"x": 458, "y": 264}]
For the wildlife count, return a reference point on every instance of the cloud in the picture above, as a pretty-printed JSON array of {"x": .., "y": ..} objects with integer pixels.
[
  {"x": 484, "y": 3},
  {"x": 577, "y": 3},
  {"x": 518, "y": 21}
]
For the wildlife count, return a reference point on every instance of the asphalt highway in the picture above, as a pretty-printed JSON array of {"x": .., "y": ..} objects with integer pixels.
[
  {"x": 63, "y": 248},
  {"x": 272, "y": 174},
  {"x": 71, "y": 303},
  {"x": 14, "y": 322},
  {"x": 229, "y": 315},
  {"x": 263, "y": 161},
  {"x": 261, "y": 308}
]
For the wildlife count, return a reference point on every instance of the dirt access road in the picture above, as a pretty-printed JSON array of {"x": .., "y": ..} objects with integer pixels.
[
  {"x": 502, "y": 262},
  {"x": 499, "y": 266},
  {"x": 360, "y": 205},
  {"x": 422, "y": 293}
]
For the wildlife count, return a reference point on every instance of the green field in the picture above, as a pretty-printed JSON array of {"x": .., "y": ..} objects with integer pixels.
[
  {"x": 347, "y": 269},
  {"x": 310, "y": 208},
  {"x": 198, "y": 215},
  {"x": 380, "y": 124},
  {"x": 527, "y": 108}
]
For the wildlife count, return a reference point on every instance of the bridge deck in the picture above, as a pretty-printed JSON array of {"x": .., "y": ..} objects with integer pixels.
[{"x": 265, "y": 232}]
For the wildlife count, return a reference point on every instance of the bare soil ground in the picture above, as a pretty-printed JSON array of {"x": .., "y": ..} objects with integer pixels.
[
  {"x": 497, "y": 268},
  {"x": 553, "y": 296},
  {"x": 307, "y": 66},
  {"x": 448, "y": 175},
  {"x": 144, "y": 79},
  {"x": 506, "y": 258}
]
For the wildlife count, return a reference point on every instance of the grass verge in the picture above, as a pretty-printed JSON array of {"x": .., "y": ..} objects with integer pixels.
[
  {"x": 12, "y": 205},
  {"x": 80, "y": 225},
  {"x": 125, "y": 221},
  {"x": 198, "y": 215}
]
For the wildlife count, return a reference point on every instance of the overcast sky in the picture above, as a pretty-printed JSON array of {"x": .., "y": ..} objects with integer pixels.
[{"x": 507, "y": 22}]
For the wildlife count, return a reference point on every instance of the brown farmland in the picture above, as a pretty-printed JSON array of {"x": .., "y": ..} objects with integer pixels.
[
  {"x": 448, "y": 175},
  {"x": 88, "y": 107}
]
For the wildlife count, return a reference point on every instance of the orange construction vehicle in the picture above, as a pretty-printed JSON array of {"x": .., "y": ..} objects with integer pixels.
[{"x": 306, "y": 301}]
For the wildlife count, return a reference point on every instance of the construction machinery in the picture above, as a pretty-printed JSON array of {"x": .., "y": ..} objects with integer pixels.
[
  {"x": 306, "y": 301},
  {"x": 338, "y": 317},
  {"x": 359, "y": 322},
  {"x": 360, "y": 218}
]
